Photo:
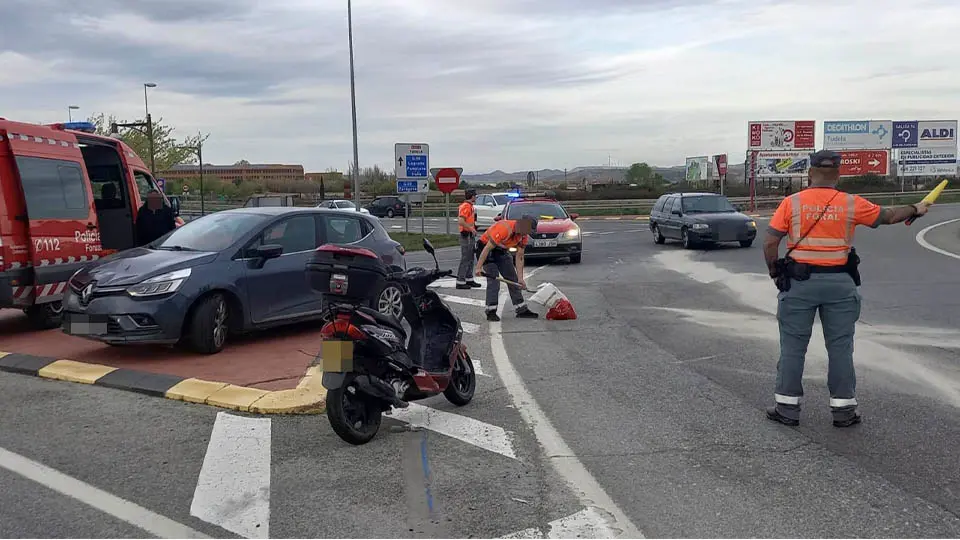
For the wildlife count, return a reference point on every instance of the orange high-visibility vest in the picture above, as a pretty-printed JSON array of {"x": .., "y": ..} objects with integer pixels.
[
  {"x": 468, "y": 213},
  {"x": 503, "y": 236},
  {"x": 828, "y": 242}
]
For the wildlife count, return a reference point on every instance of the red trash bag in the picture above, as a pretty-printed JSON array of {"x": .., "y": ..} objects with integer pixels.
[{"x": 561, "y": 311}]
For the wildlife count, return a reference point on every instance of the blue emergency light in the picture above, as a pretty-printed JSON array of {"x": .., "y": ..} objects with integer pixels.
[
  {"x": 87, "y": 127},
  {"x": 513, "y": 195}
]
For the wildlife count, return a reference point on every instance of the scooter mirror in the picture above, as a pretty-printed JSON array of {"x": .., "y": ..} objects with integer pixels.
[{"x": 428, "y": 246}]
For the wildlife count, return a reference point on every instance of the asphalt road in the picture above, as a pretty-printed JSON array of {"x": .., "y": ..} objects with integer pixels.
[{"x": 647, "y": 410}]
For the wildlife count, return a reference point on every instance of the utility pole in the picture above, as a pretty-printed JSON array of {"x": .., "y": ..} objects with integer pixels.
[{"x": 353, "y": 107}]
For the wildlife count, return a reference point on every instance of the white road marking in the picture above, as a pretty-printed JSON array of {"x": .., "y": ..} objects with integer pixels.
[
  {"x": 560, "y": 455},
  {"x": 587, "y": 523},
  {"x": 470, "y": 328},
  {"x": 463, "y": 428},
  {"x": 462, "y": 300},
  {"x": 124, "y": 510},
  {"x": 922, "y": 239},
  {"x": 233, "y": 490},
  {"x": 452, "y": 283}
]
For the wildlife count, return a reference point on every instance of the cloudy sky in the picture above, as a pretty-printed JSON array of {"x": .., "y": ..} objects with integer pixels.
[{"x": 489, "y": 84}]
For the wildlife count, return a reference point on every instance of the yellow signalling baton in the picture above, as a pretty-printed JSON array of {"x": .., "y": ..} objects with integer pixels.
[{"x": 930, "y": 199}]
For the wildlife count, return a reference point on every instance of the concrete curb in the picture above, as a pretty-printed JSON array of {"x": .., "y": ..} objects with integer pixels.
[{"x": 309, "y": 397}]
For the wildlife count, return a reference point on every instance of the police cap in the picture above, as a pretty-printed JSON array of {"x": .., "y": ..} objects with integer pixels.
[{"x": 827, "y": 159}]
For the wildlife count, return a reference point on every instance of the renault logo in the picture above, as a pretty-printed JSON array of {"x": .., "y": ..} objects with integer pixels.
[{"x": 85, "y": 294}]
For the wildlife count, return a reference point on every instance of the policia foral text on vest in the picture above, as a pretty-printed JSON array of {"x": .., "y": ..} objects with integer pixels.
[{"x": 819, "y": 273}]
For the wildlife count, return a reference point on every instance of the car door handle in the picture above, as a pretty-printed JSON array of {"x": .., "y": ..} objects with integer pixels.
[{"x": 91, "y": 226}]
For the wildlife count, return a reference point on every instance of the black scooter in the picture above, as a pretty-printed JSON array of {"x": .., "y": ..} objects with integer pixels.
[{"x": 386, "y": 373}]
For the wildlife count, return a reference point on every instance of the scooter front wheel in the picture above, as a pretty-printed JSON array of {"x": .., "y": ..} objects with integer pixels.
[
  {"x": 463, "y": 382},
  {"x": 354, "y": 417}
]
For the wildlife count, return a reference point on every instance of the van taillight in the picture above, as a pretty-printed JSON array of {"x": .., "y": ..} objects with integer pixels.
[{"x": 341, "y": 327}]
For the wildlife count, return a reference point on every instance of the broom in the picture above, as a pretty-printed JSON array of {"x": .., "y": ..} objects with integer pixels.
[{"x": 549, "y": 296}]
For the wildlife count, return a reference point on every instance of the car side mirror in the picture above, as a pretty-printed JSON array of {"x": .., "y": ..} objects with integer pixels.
[
  {"x": 738, "y": 208},
  {"x": 269, "y": 251},
  {"x": 498, "y": 217},
  {"x": 574, "y": 216},
  {"x": 677, "y": 213},
  {"x": 175, "y": 204}
]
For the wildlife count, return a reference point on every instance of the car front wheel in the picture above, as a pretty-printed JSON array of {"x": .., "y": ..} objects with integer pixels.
[{"x": 209, "y": 325}]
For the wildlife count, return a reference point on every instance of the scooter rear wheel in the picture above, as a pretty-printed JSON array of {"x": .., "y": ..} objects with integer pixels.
[
  {"x": 463, "y": 382},
  {"x": 353, "y": 416}
]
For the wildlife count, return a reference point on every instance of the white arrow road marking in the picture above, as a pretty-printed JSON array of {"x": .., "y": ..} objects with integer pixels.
[
  {"x": 463, "y": 428},
  {"x": 233, "y": 490},
  {"x": 462, "y": 300},
  {"x": 124, "y": 510},
  {"x": 587, "y": 523}
]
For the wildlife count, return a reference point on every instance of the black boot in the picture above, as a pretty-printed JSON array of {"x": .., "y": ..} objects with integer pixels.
[
  {"x": 473, "y": 284},
  {"x": 525, "y": 313},
  {"x": 492, "y": 316},
  {"x": 464, "y": 286},
  {"x": 774, "y": 414},
  {"x": 847, "y": 422}
]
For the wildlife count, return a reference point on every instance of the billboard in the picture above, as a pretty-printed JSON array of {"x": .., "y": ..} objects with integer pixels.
[
  {"x": 858, "y": 135},
  {"x": 861, "y": 162},
  {"x": 925, "y": 134},
  {"x": 928, "y": 161},
  {"x": 799, "y": 135},
  {"x": 697, "y": 169},
  {"x": 782, "y": 164},
  {"x": 720, "y": 161}
]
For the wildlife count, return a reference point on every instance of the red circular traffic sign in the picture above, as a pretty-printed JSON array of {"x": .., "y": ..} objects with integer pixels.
[{"x": 447, "y": 179}]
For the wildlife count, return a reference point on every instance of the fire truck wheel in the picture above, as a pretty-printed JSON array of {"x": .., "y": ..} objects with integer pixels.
[{"x": 45, "y": 316}]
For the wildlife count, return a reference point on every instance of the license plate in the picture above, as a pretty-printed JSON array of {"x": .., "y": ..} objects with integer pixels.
[
  {"x": 544, "y": 243},
  {"x": 84, "y": 325},
  {"x": 338, "y": 284}
]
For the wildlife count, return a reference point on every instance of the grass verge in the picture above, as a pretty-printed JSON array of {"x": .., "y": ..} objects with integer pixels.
[{"x": 414, "y": 241}]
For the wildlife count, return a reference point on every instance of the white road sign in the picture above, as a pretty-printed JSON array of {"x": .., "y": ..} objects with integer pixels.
[
  {"x": 858, "y": 135},
  {"x": 412, "y": 161}
]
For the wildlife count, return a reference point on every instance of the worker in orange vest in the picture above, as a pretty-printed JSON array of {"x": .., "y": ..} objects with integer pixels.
[
  {"x": 494, "y": 249},
  {"x": 467, "y": 219},
  {"x": 819, "y": 273}
]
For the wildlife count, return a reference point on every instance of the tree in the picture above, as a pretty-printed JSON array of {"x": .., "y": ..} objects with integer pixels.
[
  {"x": 640, "y": 174},
  {"x": 168, "y": 151}
]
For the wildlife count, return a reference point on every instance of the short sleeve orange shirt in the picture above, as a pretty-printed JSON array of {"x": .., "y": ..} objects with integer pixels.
[
  {"x": 502, "y": 235},
  {"x": 467, "y": 212}
]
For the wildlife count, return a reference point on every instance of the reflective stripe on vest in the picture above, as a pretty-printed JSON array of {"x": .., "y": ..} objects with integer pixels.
[{"x": 828, "y": 250}]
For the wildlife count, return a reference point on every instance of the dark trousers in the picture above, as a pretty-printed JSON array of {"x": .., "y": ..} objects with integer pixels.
[
  {"x": 500, "y": 263},
  {"x": 467, "y": 246}
]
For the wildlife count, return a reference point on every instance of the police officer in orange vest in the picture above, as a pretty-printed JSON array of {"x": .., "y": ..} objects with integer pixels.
[
  {"x": 819, "y": 273},
  {"x": 467, "y": 219},
  {"x": 494, "y": 258}
]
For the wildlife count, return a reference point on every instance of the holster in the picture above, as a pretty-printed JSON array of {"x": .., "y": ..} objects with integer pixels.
[
  {"x": 852, "y": 266},
  {"x": 787, "y": 269}
]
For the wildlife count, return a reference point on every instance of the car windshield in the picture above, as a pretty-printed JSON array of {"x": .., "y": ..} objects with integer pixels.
[
  {"x": 501, "y": 199},
  {"x": 705, "y": 204},
  {"x": 540, "y": 210},
  {"x": 213, "y": 232},
  {"x": 346, "y": 204}
]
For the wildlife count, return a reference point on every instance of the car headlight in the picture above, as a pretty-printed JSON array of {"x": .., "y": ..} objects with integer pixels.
[
  {"x": 699, "y": 226},
  {"x": 752, "y": 224},
  {"x": 162, "y": 284},
  {"x": 572, "y": 233}
]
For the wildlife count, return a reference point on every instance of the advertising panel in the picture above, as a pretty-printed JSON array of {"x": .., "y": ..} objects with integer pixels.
[
  {"x": 858, "y": 135},
  {"x": 720, "y": 162},
  {"x": 799, "y": 135},
  {"x": 925, "y": 134},
  {"x": 782, "y": 164},
  {"x": 928, "y": 162},
  {"x": 861, "y": 162},
  {"x": 697, "y": 169}
]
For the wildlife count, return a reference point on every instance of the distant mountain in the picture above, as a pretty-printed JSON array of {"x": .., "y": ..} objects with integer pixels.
[{"x": 590, "y": 174}]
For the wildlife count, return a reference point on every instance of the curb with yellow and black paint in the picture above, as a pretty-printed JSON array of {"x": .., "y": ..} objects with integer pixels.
[{"x": 309, "y": 397}]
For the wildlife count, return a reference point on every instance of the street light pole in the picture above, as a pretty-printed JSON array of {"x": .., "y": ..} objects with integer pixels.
[
  {"x": 146, "y": 110},
  {"x": 200, "y": 159},
  {"x": 353, "y": 106},
  {"x": 70, "y": 110}
]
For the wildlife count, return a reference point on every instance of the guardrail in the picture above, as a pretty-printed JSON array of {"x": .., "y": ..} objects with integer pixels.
[{"x": 603, "y": 207}]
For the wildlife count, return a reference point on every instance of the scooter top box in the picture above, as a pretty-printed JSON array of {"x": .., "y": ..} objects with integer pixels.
[{"x": 365, "y": 273}]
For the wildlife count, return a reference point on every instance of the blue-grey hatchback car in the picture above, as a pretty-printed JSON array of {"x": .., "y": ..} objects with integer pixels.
[{"x": 222, "y": 274}]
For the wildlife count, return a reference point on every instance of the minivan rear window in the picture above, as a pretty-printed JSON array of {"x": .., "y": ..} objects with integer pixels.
[{"x": 53, "y": 188}]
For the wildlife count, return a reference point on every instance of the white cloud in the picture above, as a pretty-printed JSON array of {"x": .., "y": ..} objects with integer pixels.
[{"x": 489, "y": 84}]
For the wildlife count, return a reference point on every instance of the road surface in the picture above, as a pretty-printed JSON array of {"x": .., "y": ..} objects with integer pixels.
[{"x": 650, "y": 404}]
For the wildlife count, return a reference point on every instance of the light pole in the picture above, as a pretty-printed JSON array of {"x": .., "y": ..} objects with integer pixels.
[
  {"x": 70, "y": 110},
  {"x": 146, "y": 109},
  {"x": 353, "y": 106}
]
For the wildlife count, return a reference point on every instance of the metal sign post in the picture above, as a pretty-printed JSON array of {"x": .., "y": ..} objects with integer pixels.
[
  {"x": 446, "y": 210},
  {"x": 406, "y": 213},
  {"x": 423, "y": 206}
]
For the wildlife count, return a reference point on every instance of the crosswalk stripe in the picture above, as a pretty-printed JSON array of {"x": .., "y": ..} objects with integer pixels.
[
  {"x": 462, "y": 300},
  {"x": 463, "y": 428},
  {"x": 470, "y": 328}
]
